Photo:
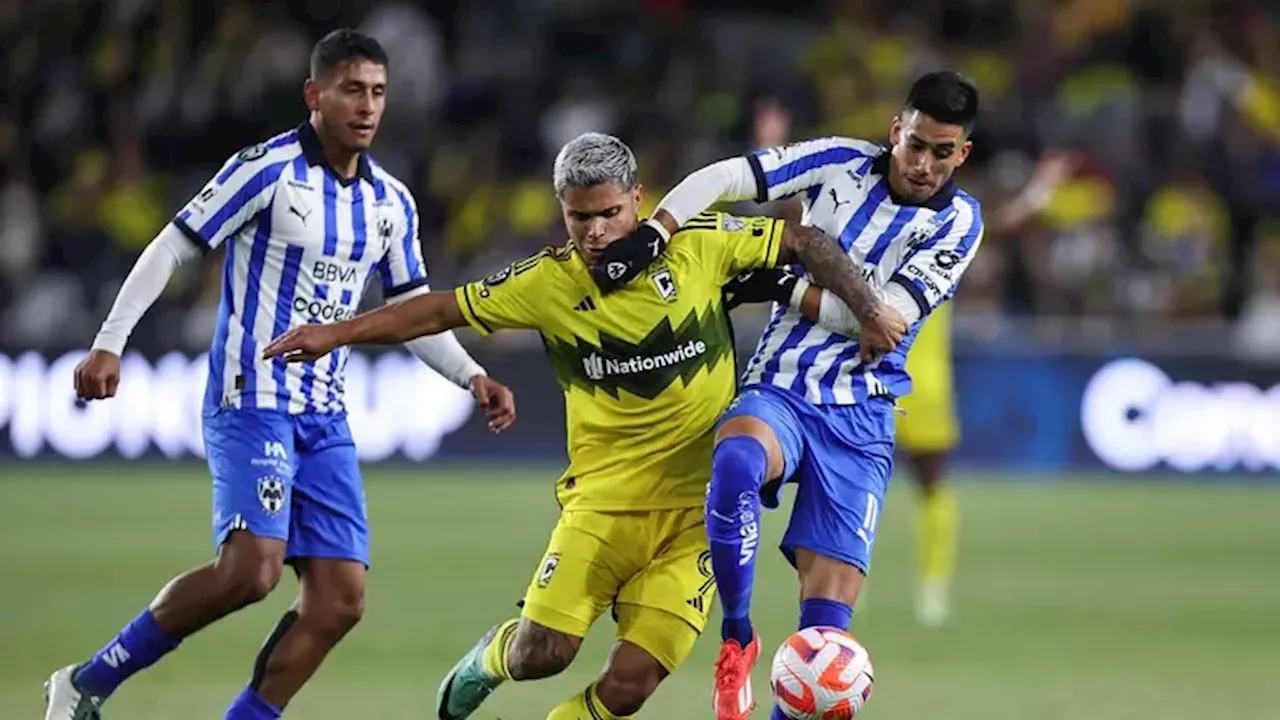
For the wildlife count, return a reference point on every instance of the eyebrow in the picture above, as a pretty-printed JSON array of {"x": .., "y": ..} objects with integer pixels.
[{"x": 943, "y": 144}]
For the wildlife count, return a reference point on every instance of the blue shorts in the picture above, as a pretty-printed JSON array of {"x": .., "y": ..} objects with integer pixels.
[
  {"x": 839, "y": 456},
  {"x": 291, "y": 477}
]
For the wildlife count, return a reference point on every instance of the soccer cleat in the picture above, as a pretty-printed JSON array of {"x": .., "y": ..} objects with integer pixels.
[
  {"x": 65, "y": 701},
  {"x": 932, "y": 604},
  {"x": 468, "y": 683},
  {"x": 732, "y": 698}
]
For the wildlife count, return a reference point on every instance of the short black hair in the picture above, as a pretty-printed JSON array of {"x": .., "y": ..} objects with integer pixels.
[
  {"x": 341, "y": 46},
  {"x": 947, "y": 97}
]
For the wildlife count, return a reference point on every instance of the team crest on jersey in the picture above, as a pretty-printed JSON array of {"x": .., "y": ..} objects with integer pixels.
[
  {"x": 919, "y": 235},
  {"x": 666, "y": 285},
  {"x": 253, "y": 152},
  {"x": 271, "y": 494},
  {"x": 385, "y": 230},
  {"x": 549, "y": 566}
]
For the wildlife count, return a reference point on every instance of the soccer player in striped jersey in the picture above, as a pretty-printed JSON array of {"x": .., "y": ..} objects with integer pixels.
[
  {"x": 816, "y": 407},
  {"x": 306, "y": 218}
]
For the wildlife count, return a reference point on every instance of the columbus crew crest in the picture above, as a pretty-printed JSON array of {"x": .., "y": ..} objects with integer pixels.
[{"x": 549, "y": 566}]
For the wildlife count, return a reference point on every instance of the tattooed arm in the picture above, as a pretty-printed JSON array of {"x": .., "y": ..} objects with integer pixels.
[
  {"x": 831, "y": 267},
  {"x": 881, "y": 327}
]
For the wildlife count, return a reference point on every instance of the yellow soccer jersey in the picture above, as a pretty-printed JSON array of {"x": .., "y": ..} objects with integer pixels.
[
  {"x": 929, "y": 359},
  {"x": 930, "y": 423},
  {"x": 646, "y": 371}
]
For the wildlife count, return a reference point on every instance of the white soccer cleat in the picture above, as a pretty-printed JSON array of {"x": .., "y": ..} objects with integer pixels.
[
  {"x": 933, "y": 604},
  {"x": 64, "y": 701}
]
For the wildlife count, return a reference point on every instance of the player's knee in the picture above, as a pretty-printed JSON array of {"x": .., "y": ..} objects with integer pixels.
[
  {"x": 734, "y": 435},
  {"x": 342, "y": 612},
  {"x": 625, "y": 686},
  {"x": 539, "y": 652},
  {"x": 246, "y": 583},
  {"x": 249, "y": 568}
]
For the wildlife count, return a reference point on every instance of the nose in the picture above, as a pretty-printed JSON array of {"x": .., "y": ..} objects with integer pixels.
[{"x": 596, "y": 229}]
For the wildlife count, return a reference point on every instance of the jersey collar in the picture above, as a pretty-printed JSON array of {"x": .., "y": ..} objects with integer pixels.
[
  {"x": 940, "y": 201},
  {"x": 314, "y": 152}
]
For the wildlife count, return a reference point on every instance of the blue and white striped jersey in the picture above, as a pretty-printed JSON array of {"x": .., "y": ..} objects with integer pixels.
[
  {"x": 301, "y": 243},
  {"x": 925, "y": 248}
]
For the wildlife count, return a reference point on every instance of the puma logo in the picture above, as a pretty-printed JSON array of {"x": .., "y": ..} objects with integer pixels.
[
  {"x": 301, "y": 216},
  {"x": 835, "y": 198}
]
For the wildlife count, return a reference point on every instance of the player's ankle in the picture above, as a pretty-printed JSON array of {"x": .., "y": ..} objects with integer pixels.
[
  {"x": 737, "y": 629},
  {"x": 823, "y": 612}
]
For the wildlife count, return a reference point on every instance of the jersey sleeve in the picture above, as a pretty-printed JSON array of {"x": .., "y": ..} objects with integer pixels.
[
  {"x": 242, "y": 188},
  {"x": 402, "y": 268},
  {"x": 931, "y": 271},
  {"x": 789, "y": 169},
  {"x": 731, "y": 245},
  {"x": 508, "y": 299}
]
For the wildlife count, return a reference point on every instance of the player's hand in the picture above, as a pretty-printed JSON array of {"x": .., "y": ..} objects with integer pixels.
[
  {"x": 98, "y": 375},
  {"x": 881, "y": 334},
  {"x": 1055, "y": 167},
  {"x": 303, "y": 344},
  {"x": 757, "y": 286},
  {"x": 625, "y": 258},
  {"x": 497, "y": 401}
]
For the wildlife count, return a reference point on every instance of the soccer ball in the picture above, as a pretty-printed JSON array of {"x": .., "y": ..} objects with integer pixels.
[{"x": 821, "y": 673}]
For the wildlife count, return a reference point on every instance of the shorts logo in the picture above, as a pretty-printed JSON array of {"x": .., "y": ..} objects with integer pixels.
[
  {"x": 699, "y": 602},
  {"x": 271, "y": 494},
  {"x": 548, "y": 569},
  {"x": 273, "y": 449}
]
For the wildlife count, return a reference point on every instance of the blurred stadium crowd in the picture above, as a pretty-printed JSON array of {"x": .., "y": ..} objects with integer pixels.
[{"x": 115, "y": 111}]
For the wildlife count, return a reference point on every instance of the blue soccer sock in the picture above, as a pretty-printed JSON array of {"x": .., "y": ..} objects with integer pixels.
[
  {"x": 249, "y": 705},
  {"x": 738, "y": 468},
  {"x": 821, "y": 612},
  {"x": 777, "y": 714},
  {"x": 138, "y": 646}
]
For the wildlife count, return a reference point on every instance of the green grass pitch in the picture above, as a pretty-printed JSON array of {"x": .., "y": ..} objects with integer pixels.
[{"x": 1076, "y": 600}]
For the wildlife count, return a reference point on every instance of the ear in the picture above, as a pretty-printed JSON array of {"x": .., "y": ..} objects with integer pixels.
[
  {"x": 964, "y": 152},
  {"x": 311, "y": 94},
  {"x": 637, "y": 195},
  {"x": 895, "y": 130}
]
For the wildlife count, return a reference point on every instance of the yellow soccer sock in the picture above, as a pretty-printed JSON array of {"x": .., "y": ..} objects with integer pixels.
[
  {"x": 936, "y": 530},
  {"x": 498, "y": 649},
  {"x": 584, "y": 706}
]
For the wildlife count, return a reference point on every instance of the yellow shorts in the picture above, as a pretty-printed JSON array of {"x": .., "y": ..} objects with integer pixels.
[
  {"x": 653, "y": 567},
  {"x": 929, "y": 423}
]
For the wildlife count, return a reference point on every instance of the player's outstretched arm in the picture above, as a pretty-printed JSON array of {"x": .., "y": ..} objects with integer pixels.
[
  {"x": 425, "y": 314},
  {"x": 98, "y": 375}
]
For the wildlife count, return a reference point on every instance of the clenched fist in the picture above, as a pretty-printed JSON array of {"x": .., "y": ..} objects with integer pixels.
[{"x": 97, "y": 375}]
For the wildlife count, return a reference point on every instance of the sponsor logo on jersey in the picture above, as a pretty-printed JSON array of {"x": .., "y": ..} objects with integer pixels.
[{"x": 648, "y": 367}]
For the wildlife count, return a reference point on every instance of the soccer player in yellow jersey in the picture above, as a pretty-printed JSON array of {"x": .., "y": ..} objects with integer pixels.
[
  {"x": 927, "y": 433},
  {"x": 647, "y": 370},
  {"x": 929, "y": 429}
]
